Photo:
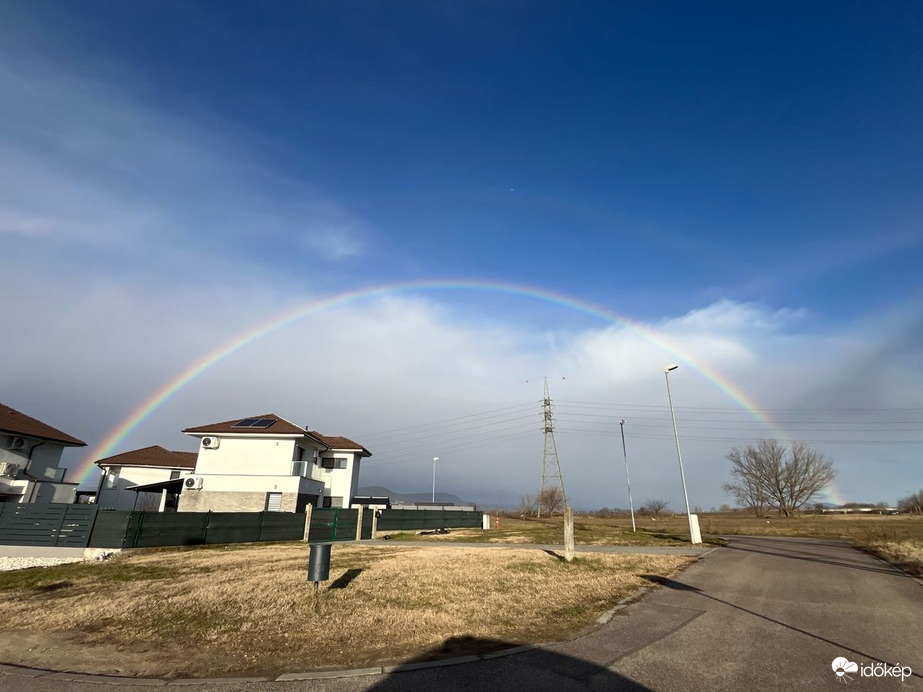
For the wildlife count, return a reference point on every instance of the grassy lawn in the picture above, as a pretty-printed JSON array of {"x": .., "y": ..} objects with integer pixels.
[{"x": 215, "y": 612}]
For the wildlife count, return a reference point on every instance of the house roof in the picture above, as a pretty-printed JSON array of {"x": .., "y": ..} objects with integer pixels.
[
  {"x": 280, "y": 427},
  {"x": 152, "y": 456},
  {"x": 338, "y": 442},
  {"x": 16, "y": 423}
]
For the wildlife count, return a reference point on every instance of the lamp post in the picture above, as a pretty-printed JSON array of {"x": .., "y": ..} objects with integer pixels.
[
  {"x": 435, "y": 459},
  {"x": 631, "y": 505},
  {"x": 666, "y": 373}
]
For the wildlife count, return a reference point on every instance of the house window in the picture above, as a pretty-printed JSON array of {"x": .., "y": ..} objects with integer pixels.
[
  {"x": 300, "y": 468},
  {"x": 273, "y": 502},
  {"x": 112, "y": 478},
  {"x": 174, "y": 474},
  {"x": 299, "y": 453},
  {"x": 333, "y": 501},
  {"x": 334, "y": 463}
]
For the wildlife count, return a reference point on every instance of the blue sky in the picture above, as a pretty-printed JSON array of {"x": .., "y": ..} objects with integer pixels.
[{"x": 744, "y": 175}]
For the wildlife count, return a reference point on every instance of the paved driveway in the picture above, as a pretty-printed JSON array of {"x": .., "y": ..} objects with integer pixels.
[{"x": 761, "y": 614}]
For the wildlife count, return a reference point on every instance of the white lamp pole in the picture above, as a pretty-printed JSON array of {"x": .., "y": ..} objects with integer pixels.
[
  {"x": 631, "y": 505},
  {"x": 435, "y": 459},
  {"x": 666, "y": 373}
]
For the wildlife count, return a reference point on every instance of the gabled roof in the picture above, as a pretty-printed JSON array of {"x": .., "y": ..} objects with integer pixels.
[
  {"x": 341, "y": 443},
  {"x": 152, "y": 456},
  {"x": 12, "y": 422},
  {"x": 280, "y": 427}
]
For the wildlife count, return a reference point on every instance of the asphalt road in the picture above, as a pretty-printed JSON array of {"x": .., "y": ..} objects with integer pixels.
[{"x": 761, "y": 614}]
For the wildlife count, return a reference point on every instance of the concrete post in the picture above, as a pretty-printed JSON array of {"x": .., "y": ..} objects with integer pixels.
[
  {"x": 359, "y": 523},
  {"x": 163, "y": 500},
  {"x": 568, "y": 534},
  {"x": 374, "y": 523},
  {"x": 307, "y": 521}
]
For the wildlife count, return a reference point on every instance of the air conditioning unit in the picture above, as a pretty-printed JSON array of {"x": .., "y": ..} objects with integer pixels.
[
  {"x": 193, "y": 483},
  {"x": 210, "y": 442},
  {"x": 16, "y": 443},
  {"x": 9, "y": 470}
]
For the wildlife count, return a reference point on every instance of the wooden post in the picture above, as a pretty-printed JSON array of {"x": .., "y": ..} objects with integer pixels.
[
  {"x": 308, "y": 508},
  {"x": 359, "y": 523},
  {"x": 374, "y": 523},
  {"x": 568, "y": 533}
]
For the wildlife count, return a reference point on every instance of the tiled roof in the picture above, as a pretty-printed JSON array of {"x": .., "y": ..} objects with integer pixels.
[
  {"x": 280, "y": 427},
  {"x": 338, "y": 442},
  {"x": 16, "y": 423},
  {"x": 152, "y": 456}
]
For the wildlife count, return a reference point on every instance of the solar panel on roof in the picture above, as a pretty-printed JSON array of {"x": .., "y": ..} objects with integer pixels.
[
  {"x": 263, "y": 423},
  {"x": 245, "y": 423}
]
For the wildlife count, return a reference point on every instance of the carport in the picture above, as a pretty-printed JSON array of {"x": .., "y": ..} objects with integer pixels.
[{"x": 169, "y": 493}]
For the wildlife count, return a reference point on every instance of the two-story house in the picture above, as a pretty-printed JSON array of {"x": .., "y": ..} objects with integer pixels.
[
  {"x": 30, "y": 457},
  {"x": 149, "y": 469},
  {"x": 268, "y": 463}
]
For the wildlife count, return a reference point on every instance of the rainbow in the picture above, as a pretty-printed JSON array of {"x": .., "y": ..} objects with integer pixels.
[{"x": 118, "y": 435}]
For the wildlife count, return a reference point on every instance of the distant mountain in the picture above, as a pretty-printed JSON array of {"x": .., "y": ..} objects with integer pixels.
[{"x": 410, "y": 498}]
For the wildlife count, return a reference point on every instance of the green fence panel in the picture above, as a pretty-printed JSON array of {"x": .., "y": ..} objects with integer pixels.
[
  {"x": 282, "y": 526},
  {"x": 50, "y": 525},
  {"x": 181, "y": 528},
  {"x": 109, "y": 530},
  {"x": 427, "y": 519},
  {"x": 333, "y": 524},
  {"x": 367, "y": 517},
  {"x": 233, "y": 527}
]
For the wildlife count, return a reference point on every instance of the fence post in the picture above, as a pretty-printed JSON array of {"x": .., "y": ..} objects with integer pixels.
[
  {"x": 374, "y": 524},
  {"x": 57, "y": 534},
  {"x": 308, "y": 510},
  {"x": 568, "y": 533},
  {"x": 259, "y": 529},
  {"x": 336, "y": 515},
  {"x": 138, "y": 530},
  {"x": 359, "y": 523},
  {"x": 208, "y": 518}
]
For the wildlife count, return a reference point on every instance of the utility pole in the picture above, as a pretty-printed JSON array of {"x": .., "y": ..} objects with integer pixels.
[
  {"x": 551, "y": 466},
  {"x": 631, "y": 505}
]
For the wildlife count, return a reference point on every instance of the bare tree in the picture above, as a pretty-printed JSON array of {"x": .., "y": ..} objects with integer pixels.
[
  {"x": 767, "y": 475},
  {"x": 912, "y": 504},
  {"x": 526, "y": 506},
  {"x": 655, "y": 506},
  {"x": 550, "y": 500}
]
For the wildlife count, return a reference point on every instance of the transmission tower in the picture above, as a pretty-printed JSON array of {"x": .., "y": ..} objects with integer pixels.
[{"x": 551, "y": 466}]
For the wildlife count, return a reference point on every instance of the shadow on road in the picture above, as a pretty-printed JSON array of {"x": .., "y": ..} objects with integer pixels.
[
  {"x": 680, "y": 586},
  {"x": 532, "y": 670}
]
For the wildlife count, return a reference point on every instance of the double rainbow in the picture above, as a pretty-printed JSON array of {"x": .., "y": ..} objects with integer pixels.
[{"x": 119, "y": 434}]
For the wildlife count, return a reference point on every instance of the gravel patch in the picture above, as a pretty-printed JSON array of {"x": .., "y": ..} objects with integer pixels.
[{"x": 11, "y": 563}]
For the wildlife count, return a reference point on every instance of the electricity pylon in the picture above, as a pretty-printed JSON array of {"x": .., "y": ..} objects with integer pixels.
[{"x": 551, "y": 466}]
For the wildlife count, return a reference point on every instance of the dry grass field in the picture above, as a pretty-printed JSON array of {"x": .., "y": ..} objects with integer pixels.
[
  {"x": 550, "y": 531},
  {"x": 246, "y": 610},
  {"x": 897, "y": 539}
]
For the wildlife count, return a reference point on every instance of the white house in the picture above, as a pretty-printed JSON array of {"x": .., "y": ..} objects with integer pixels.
[
  {"x": 268, "y": 463},
  {"x": 129, "y": 479},
  {"x": 30, "y": 457}
]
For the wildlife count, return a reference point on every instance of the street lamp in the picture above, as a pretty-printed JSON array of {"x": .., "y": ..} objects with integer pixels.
[
  {"x": 435, "y": 459},
  {"x": 666, "y": 373},
  {"x": 631, "y": 505}
]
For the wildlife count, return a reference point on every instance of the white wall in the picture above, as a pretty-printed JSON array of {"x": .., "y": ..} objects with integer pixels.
[
  {"x": 265, "y": 464},
  {"x": 46, "y": 457},
  {"x": 248, "y": 456},
  {"x": 120, "y": 498},
  {"x": 341, "y": 482}
]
